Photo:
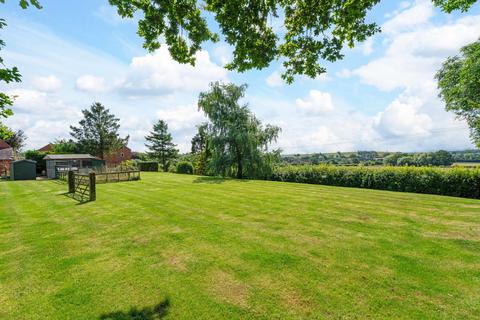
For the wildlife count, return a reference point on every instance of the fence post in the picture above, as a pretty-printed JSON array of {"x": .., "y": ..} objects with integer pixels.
[
  {"x": 93, "y": 188},
  {"x": 71, "y": 182}
]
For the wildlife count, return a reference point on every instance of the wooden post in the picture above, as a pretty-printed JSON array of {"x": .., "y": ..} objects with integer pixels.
[
  {"x": 71, "y": 182},
  {"x": 93, "y": 188}
]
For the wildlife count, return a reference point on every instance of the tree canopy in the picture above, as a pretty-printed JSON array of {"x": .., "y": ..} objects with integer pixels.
[
  {"x": 16, "y": 140},
  {"x": 161, "y": 146},
  {"x": 459, "y": 84},
  {"x": 64, "y": 146},
  {"x": 300, "y": 33},
  {"x": 97, "y": 132},
  {"x": 238, "y": 141}
]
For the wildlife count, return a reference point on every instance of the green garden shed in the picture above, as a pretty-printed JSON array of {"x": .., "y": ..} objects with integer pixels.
[{"x": 23, "y": 170}]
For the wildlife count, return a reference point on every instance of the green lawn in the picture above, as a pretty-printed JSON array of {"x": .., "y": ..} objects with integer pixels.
[{"x": 187, "y": 247}]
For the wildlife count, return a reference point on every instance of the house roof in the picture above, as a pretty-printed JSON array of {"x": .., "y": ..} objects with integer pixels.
[
  {"x": 4, "y": 145},
  {"x": 48, "y": 147},
  {"x": 6, "y": 154},
  {"x": 69, "y": 157}
]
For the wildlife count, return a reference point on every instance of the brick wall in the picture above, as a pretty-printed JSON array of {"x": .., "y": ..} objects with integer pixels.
[{"x": 117, "y": 157}]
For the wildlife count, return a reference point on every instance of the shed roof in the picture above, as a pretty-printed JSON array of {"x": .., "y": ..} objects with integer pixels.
[
  {"x": 69, "y": 157},
  {"x": 25, "y": 160}
]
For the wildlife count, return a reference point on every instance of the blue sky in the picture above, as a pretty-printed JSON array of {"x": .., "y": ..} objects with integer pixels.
[{"x": 382, "y": 96}]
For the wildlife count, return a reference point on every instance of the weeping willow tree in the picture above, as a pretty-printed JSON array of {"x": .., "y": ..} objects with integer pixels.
[{"x": 237, "y": 140}]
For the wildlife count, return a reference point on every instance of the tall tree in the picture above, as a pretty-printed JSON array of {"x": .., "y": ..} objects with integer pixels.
[
  {"x": 459, "y": 84},
  {"x": 310, "y": 30},
  {"x": 161, "y": 146},
  {"x": 201, "y": 149},
  {"x": 17, "y": 140},
  {"x": 97, "y": 132},
  {"x": 238, "y": 140},
  {"x": 199, "y": 141}
]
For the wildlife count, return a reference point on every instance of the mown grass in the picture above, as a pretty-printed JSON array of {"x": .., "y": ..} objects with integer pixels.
[{"x": 185, "y": 247}]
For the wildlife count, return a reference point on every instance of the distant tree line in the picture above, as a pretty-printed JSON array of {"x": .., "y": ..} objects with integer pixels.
[{"x": 374, "y": 158}]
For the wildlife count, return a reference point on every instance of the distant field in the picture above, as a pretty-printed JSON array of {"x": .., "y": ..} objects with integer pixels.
[
  {"x": 187, "y": 247},
  {"x": 466, "y": 164}
]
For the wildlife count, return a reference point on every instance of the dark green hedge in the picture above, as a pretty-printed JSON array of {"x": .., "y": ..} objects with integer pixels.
[
  {"x": 458, "y": 182},
  {"x": 147, "y": 166},
  {"x": 185, "y": 167}
]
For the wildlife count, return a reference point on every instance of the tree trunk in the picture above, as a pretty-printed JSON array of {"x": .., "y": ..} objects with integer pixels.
[
  {"x": 240, "y": 170},
  {"x": 164, "y": 164}
]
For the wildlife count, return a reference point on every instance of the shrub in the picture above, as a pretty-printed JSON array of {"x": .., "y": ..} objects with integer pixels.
[
  {"x": 185, "y": 167},
  {"x": 458, "y": 182},
  {"x": 172, "y": 168},
  {"x": 38, "y": 157},
  {"x": 147, "y": 165},
  {"x": 129, "y": 165}
]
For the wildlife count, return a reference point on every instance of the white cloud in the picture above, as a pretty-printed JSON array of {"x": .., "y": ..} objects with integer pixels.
[
  {"x": 33, "y": 102},
  {"x": 415, "y": 16},
  {"x": 183, "y": 117},
  {"x": 274, "y": 80},
  {"x": 317, "y": 102},
  {"x": 47, "y": 84},
  {"x": 90, "y": 83},
  {"x": 367, "y": 46},
  {"x": 222, "y": 54},
  {"x": 415, "y": 49},
  {"x": 413, "y": 56},
  {"x": 42, "y": 116},
  {"x": 402, "y": 117},
  {"x": 159, "y": 74},
  {"x": 344, "y": 73}
]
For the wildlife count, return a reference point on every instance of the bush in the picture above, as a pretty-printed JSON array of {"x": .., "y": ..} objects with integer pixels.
[
  {"x": 185, "y": 167},
  {"x": 38, "y": 157},
  {"x": 147, "y": 165},
  {"x": 128, "y": 165},
  {"x": 458, "y": 182}
]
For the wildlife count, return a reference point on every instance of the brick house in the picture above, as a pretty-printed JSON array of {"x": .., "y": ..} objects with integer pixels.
[
  {"x": 115, "y": 158},
  {"x": 6, "y": 156}
]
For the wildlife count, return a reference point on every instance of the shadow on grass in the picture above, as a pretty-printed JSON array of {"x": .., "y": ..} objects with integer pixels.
[
  {"x": 148, "y": 313},
  {"x": 209, "y": 180},
  {"x": 80, "y": 199},
  {"x": 217, "y": 180}
]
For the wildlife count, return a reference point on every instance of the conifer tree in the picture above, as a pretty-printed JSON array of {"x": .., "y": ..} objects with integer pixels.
[{"x": 160, "y": 145}]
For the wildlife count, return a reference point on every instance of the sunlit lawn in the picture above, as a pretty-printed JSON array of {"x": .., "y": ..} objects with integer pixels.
[{"x": 186, "y": 247}]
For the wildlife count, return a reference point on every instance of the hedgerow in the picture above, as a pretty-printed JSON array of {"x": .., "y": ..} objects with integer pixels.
[
  {"x": 147, "y": 165},
  {"x": 458, "y": 182}
]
